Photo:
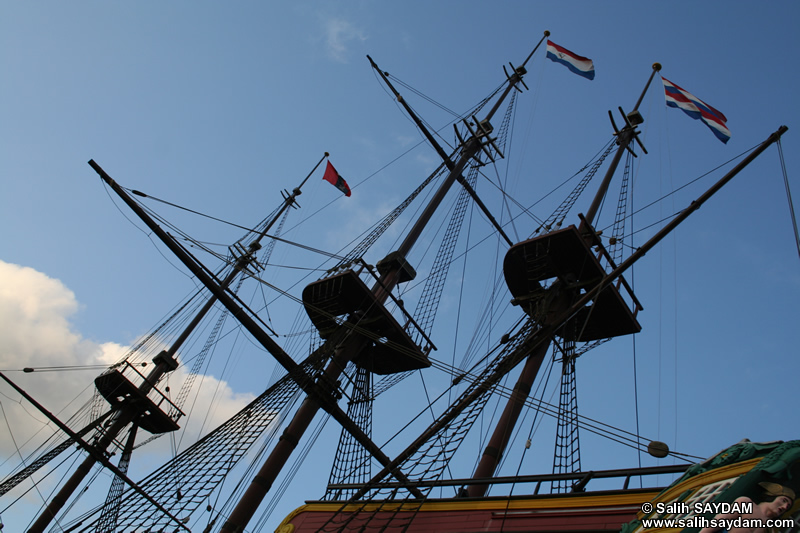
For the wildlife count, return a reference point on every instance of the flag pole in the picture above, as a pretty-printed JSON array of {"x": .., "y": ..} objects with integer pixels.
[
  {"x": 656, "y": 68},
  {"x": 324, "y": 157},
  {"x": 624, "y": 138},
  {"x": 546, "y": 34},
  {"x": 515, "y": 77}
]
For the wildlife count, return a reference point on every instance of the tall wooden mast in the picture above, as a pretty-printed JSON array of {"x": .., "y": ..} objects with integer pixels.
[
  {"x": 332, "y": 296},
  {"x": 525, "y": 266},
  {"x": 352, "y": 340}
]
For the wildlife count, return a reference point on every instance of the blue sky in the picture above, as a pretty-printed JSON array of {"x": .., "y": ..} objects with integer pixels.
[{"x": 217, "y": 108}]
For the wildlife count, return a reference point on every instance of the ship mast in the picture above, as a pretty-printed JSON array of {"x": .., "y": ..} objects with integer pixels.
[
  {"x": 113, "y": 382},
  {"x": 624, "y": 138},
  {"x": 560, "y": 298},
  {"x": 347, "y": 341},
  {"x": 394, "y": 270},
  {"x": 534, "y": 338}
]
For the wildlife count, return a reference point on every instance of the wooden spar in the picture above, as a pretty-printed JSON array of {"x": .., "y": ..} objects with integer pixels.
[
  {"x": 468, "y": 151},
  {"x": 514, "y": 79},
  {"x": 431, "y": 139}
]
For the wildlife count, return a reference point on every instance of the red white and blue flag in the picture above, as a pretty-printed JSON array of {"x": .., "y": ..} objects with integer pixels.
[
  {"x": 333, "y": 177},
  {"x": 582, "y": 66},
  {"x": 697, "y": 109}
]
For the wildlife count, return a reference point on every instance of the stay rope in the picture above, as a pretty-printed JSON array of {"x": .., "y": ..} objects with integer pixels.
[{"x": 789, "y": 197}]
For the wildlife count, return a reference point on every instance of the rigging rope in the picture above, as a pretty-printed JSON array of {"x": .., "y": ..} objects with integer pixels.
[
  {"x": 685, "y": 185},
  {"x": 203, "y": 246},
  {"x": 352, "y": 461},
  {"x": 618, "y": 233},
  {"x": 558, "y": 216},
  {"x": 205, "y": 464},
  {"x": 108, "y": 518},
  {"x": 359, "y": 250},
  {"x": 212, "y": 338},
  {"x": 45, "y": 454},
  {"x": 16, "y": 446},
  {"x": 428, "y": 303},
  {"x": 567, "y": 453},
  {"x": 789, "y": 197}
]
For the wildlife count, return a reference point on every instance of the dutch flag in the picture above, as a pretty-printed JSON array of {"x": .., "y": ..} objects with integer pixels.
[
  {"x": 581, "y": 66},
  {"x": 697, "y": 109}
]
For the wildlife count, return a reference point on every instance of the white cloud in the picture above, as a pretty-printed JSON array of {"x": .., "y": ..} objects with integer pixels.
[
  {"x": 339, "y": 33},
  {"x": 35, "y": 331}
]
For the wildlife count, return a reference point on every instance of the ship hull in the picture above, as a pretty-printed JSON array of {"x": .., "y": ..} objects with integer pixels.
[
  {"x": 579, "y": 512},
  {"x": 732, "y": 473}
]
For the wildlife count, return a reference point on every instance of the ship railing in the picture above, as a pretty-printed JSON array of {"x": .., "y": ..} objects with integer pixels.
[
  {"x": 160, "y": 397},
  {"x": 610, "y": 265},
  {"x": 580, "y": 479},
  {"x": 346, "y": 297},
  {"x": 125, "y": 383},
  {"x": 409, "y": 320},
  {"x": 362, "y": 269}
]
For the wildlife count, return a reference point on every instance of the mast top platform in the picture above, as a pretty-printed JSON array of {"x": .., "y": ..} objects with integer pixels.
[{"x": 566, "y": 255}]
